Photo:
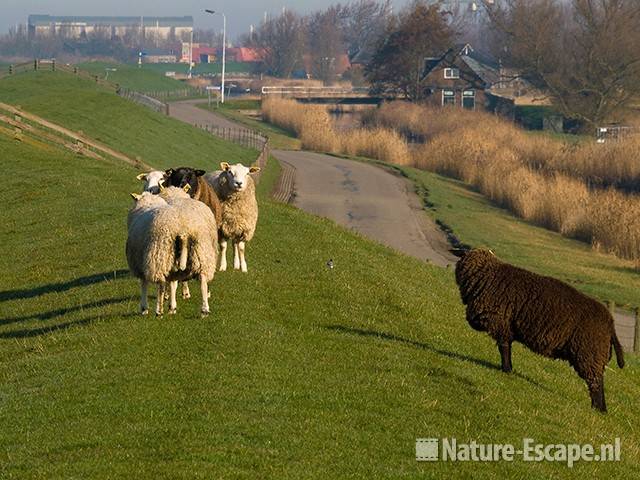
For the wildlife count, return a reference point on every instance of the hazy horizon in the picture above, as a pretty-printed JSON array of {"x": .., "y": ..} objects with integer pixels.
[{"x": 240, "y": 14}]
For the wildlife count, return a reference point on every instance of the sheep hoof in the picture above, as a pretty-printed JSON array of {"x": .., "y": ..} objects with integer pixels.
[
  {"x": 172, "y": 311},
  {"x": 204, "y": 313},
  {"x": 145, "y": 312},
  {"x": 223, "y": 268},
  {"x": 186, "y": 296}
]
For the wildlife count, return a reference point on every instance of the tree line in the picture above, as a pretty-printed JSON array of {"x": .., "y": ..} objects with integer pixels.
[{"x": 583, "y": 55}]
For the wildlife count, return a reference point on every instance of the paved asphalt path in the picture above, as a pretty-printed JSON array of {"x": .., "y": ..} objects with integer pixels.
[{"x": 367, "y": 199}]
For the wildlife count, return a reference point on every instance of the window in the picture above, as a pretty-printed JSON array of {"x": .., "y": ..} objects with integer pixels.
[
  {"x": 448, "y": 97},
  {"x": 451, "y": 73},
  {"x": 469, "y": 99}
]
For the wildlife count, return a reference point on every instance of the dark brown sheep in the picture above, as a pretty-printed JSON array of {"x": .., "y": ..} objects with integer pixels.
[{"x": 546, "y": 315}]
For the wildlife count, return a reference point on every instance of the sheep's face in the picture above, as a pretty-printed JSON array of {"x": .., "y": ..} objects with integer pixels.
[
  {"x": 146, "y": 199},
  {"x": 179, "y": 177},
  {"x": 236, "y": 176},
  {"x": 152, "y": 180}
]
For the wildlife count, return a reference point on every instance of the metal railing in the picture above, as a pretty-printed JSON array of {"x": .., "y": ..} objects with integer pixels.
[{"x": 314, "y": 91}]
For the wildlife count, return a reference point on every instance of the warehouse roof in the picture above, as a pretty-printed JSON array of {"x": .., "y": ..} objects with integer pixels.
[{"x": 46, "y": 20}]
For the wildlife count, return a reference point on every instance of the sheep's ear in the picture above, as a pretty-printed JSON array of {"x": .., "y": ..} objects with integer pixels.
[
  {"x": 459, "y": 252},
  {"x": 199, "y": 173},
  {"x": 136, "y": 196},
  {"x": 168, "y": 172},
  {"x": 254, "y": 169},
  {"x": 186, "y": 188},
  {"x": 141, "y": 176},
  {"x": 224, "y": 166}
]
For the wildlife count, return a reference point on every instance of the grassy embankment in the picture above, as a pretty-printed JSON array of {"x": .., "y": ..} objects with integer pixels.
[
  {"x": 299, "y": 371},
  {"x": 130, "y": 76},
  {"x": 77, "y": 104}
]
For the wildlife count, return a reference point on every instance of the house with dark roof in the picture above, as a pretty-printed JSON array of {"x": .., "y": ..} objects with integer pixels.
[{"x": 460, "y": 78}]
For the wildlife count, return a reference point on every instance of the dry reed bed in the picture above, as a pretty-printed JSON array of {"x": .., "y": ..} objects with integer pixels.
[
  {"x": 614, "y": 164},
  {"x": 541, "y": 180},
  {"x": 313, "y": 125}
]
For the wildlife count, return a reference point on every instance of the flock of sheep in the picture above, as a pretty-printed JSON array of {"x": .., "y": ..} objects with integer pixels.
[
  {"x": 183, "y": 215},
  {"x": 178, "y": 222}
]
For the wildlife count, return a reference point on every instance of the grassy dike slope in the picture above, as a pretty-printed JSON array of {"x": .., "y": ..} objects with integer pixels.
[
  {"x": 300, "y": 371},
  {"x": 134, "y": 78},
  {"x": 78, "y": 104}
]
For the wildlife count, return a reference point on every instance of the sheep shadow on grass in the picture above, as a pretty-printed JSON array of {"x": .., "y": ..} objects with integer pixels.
[
  {"x": 59, "y": 312},
  {"x": 424, "y": 346},
  {"x": 27, "y": 293},
  {"x": 36, "y": 332}
]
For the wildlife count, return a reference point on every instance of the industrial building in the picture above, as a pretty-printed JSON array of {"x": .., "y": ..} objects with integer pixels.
[{"x": 160, "y": 28}]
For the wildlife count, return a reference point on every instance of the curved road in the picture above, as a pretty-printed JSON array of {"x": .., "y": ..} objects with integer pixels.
[{"x": 365, "y": 198}]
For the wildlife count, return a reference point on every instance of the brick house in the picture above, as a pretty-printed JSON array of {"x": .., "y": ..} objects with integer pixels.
[{"x": 461, "y": 78}]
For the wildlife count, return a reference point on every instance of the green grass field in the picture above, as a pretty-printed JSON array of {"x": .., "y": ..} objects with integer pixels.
[
  {"x": 75, "y": 103},
  {"x": 130, "y": 76},
  {"x": 300, "y": 371}
]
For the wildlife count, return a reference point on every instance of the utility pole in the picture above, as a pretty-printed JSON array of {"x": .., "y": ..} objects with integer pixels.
[
  {"x": 191, "y": 53},
  {"x": 224, "y": 47}
]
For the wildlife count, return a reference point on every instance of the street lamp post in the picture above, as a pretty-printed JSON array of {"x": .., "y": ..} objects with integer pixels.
[{"x": 224, "y": 47}]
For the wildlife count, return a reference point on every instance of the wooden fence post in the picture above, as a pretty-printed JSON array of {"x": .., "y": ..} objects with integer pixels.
[
  {"x": 636, "y": 338},
  {"x": 35, "y": 64}
]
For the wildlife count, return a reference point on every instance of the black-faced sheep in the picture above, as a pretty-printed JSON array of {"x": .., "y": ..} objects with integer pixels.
[
  {"x": 546, "y": 315},
  {"x": 236, "y": 189},
  {"x": 170, "y": 242}
]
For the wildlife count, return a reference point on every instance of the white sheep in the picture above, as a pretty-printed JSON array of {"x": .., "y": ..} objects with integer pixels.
[
  {"x": 168, "y": 242},
  {"x": 191, "y": 209},
  {"x": 236, "y": 190},
  {"x": 152, "y": 180}
]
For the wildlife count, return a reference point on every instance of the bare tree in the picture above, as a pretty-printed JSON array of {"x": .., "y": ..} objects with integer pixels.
[
  {"x": 281, "y": 40},
  {"x": 583, "y": 54},
  {"x": 397, "y": 67},
  {"x": 325, "y": 42},
  {"x": 363, "y": 26}
]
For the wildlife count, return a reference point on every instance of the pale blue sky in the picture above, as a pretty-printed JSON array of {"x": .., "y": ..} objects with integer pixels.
[{"x": 240, "y": 13}]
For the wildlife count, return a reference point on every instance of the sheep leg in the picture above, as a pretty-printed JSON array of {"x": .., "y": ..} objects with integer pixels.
[
  {"x": 505, "y": 355},
  {"x": 185, "y": 290},
  {"x": 236, "y": 256},
  {"x": 243, "y": 263},
  {"x": 204, "y": 289},
  {"x": 596, "y": 390},
  {"x": 173, "y": 288},
  {"x": 160, "y": 299},
  {"x": 223, "y": 254},
  {"x": 144, "y": 306}
]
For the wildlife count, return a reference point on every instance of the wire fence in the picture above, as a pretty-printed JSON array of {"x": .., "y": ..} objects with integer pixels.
[
  {"x": 143, "y": 99},
  {"x": 241, "y": 136}
]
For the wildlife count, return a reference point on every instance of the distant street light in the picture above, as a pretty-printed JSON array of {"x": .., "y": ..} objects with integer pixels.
[{"x": 224, "y": 45}]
